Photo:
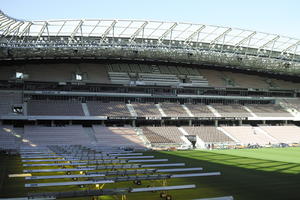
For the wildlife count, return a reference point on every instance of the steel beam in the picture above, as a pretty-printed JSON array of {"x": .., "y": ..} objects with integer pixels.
[
  {"x": 220, "y": 36},
  {"x": 167, "y": 32},
  {"x": 137, "y": 32},
  {"x": 245, "y": 39},
  {"x": 103, "y": 36},
  {"x": 198, "y": 31},
  {"x": 269, "y": 42}
]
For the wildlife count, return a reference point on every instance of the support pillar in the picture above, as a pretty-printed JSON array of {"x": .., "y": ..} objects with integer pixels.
[
  {"x": 264, "y": 121},
  {"x": 190, "y": 122},
  {"x": 240, "y": 122},
  {"x": 102, "y": 123},
  {"x": 133, "y": 123},
  {"x": 70, "y": 122},
  {"x": 162, "y": 122},
  {"x": 216, "y": 123},
  {"x": 52, "y": 123}
]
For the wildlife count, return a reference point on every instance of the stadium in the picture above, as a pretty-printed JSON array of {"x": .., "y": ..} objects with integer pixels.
[{"x": 132, "y": 109}]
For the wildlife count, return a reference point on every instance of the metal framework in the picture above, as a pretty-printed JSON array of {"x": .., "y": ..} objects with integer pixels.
[{"x": 97, "y": 33}]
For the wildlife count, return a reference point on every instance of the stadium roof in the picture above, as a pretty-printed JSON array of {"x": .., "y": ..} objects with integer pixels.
[
  {"x": 156, "y": 30},
  {"x": 240, "y": 47}
]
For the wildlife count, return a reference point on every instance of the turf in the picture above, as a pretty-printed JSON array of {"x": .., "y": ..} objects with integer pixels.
[{"x": 246, "y": 174}]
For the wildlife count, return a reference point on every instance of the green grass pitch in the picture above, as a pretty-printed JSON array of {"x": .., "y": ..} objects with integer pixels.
[{"x": 247, "y": 174}]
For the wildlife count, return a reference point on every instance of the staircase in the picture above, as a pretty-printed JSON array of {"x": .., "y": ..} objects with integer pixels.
[
  {"x": 131, "y": 110},
  {"x": 91, "y": 134}
]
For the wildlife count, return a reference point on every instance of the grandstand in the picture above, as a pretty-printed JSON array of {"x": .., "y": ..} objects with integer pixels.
[{"x": 91, "y": 103}]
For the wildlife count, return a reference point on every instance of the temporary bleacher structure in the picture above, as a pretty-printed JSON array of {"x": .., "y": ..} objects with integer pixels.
[{"x": 93, "y": 177}]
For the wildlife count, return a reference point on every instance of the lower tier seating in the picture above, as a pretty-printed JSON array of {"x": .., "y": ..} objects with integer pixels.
[
  {"x": 117, "y": 137},
  {"x": 163, "y": 135},
  {"x": 249, "y": 135},
  {"x": 208, "y": 134},
  {"x": 8, "y": 138},
  {"x": 284, "y": 134},
  {"x": 63, "y": 135}
]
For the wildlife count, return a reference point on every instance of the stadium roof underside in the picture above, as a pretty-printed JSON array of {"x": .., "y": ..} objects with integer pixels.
[{"x": 149, "y": 40}]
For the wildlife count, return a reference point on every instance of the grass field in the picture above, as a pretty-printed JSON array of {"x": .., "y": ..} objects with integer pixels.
[{"x": 270, "y": 173}]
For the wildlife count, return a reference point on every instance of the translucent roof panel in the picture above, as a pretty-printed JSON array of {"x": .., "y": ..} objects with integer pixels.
[{"x": 152, "y": 30}]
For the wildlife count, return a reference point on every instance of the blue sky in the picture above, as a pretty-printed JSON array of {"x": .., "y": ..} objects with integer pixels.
[{"x": 272, "y": 16}]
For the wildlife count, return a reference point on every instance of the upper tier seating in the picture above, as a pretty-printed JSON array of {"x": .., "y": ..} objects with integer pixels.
[
  {"x": 248, "y": 135},
  {"x": 163, "y": 135},
  {"x": 119, "y": 77},
  {"x": 146, "y": 110},
  {"x": 7, "y": 100},
  {"x": 117, "y": 137},
  {"x": 154, "y": 75},
  {"x": 57, "y": 107},
  {"x": 215, "y": 78},
  {"x": 42, "y": 135},
  {"x": 158, "y": 79},
  {"x": 208, "y": 134},
  {"x": 174, "y": 110},
  {"x": 199, "y": 81},
  {"x": 5, "y": 108},
  {"x": 268, "y": 110},
  {"x": 199, "y": 110},
  {"x": 233, "y": 110},
  {"x": 247, "y": 81},
  {"x": 293, "y": 103},
  {"x": 97, "y": 108},
  {"x": 284, "y": 134},
  {"x": 286, "y": 84}
]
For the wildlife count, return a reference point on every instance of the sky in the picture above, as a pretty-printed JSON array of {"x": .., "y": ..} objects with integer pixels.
[{"x": 271, "y": 16}]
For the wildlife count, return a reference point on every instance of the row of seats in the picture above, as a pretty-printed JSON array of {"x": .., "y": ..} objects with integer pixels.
[
  {"x": 244, "y": 135},
  {"x": 113, "y": 137},
  {"x": 117, "y": 137},
  {"x": 66, "y": 108},
  {"x": 65, "y": 135},
  {"x": 96, "y": 108},
  {"x": 163, "y": 135},
  {"x": 7, "y": 100},
  {"x": 154, "y": 75},
  {"x": 161, "y": 69}
]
